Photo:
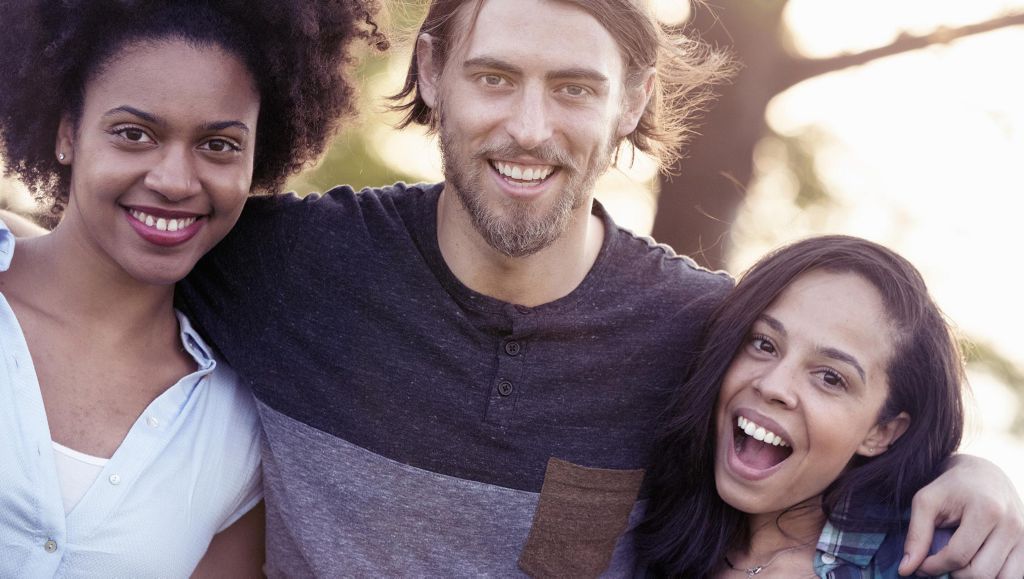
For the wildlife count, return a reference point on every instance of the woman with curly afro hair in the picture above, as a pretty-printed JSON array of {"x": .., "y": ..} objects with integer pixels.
[{"x": 128, "y": 448}]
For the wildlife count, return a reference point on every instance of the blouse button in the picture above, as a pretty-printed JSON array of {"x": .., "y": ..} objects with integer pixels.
[{"x": 50, "y": 546}]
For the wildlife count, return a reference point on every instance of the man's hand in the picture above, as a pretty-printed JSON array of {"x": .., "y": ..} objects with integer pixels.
[{"x": 976, "y": 495}]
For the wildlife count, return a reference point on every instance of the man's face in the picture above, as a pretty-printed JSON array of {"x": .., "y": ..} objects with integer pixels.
[{"x": 530, "y": 112}]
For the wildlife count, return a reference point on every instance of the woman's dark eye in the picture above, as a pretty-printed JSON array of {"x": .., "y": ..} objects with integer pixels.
[
  {"x": 764, "y": 345},
  {"x": 833, "y": 378},
  {"x": 220, "y": 146}
]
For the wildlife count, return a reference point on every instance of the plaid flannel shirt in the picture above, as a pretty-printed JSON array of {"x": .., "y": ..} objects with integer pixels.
[{"x": 863, "y": 554}]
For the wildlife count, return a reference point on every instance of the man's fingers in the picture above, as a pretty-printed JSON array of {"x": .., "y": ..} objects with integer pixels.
[
  {"x": 976, "y": 532},
  {"x": 924, "y": 513},
  {"x": 1014, "y": 566},
  {"x": 990, "y": 559}
]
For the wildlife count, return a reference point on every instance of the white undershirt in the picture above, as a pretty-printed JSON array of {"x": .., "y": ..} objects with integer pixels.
[{"x": 76, "y": 472}]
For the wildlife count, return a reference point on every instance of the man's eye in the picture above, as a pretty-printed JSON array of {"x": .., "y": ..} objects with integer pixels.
[
  {"x": 492, "y": 80},
  {"x": 575, "y": 90}
]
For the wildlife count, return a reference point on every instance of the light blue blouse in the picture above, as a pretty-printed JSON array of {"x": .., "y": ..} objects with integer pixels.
[{"x": 188, "y": 468}]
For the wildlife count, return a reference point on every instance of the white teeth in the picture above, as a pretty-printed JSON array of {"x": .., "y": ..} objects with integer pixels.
[
  {"x": 162, "y": 223},
  {"x": 520, "y": 174},
  {"x": 759, "y": 432}
]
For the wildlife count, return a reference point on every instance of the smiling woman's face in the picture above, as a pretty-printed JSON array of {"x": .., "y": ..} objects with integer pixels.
[
  {"x": 808, "y": 386},
  {"x": 161, "y": 158}
]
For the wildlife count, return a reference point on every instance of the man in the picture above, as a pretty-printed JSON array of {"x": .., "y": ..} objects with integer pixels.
[{"x": 466, "y": 378}]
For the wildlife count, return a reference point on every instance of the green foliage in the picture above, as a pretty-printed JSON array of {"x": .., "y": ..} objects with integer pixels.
[{"x": 985, "y": 356}]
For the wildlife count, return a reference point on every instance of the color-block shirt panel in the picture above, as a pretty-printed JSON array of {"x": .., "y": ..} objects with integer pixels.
[
  {"x": 187, "y": 468},
  {"x": 335, "y": 509},
  {"x": 376, "y": 343}
]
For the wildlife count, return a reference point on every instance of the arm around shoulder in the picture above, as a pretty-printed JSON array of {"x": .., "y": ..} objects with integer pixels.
[
  {"x": 989, "y": 541},
  {"x": 20, "y": 225}
]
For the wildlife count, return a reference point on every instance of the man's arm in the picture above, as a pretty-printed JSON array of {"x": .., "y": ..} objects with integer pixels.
[
  {"x": 976, "y": 495},
  {"x": 20, "y": 226}
]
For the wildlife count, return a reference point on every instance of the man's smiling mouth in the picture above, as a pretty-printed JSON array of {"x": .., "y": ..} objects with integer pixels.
[{"x": 521, "y": 174}]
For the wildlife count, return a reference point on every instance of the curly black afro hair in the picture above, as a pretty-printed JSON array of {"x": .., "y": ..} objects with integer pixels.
[{"x": 296, "y": 50}]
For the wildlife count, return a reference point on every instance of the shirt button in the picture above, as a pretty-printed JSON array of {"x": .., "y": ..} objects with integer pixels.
[
  {"x": 512, "y": 348},
  {"x": 828, "y": 558},
  {"x": 504, "y": 387},
  {"x": 50, "y": 546},
  {"x": 153, "y": 422},
  {"x": 115, "y": 479},
  {"x": 523, "y": 310}
]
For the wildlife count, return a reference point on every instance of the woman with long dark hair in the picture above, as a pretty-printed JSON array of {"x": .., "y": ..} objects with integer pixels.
[
  {"x": 127, "y": 448},
  {"x": 827, "y": 394}
]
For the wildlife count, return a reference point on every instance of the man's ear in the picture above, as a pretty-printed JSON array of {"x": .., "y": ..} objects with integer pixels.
[
  {"x": 65, "y": 145},
  {"x": 635, "y": 103},
  {"x": 881, "y": 436},
  {"x": 428, "y": 70}
]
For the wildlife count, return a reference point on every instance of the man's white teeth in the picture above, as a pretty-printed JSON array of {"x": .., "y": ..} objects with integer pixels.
[
  {"x": 759, "y": 432},
  {"x": 161, "y": 223},
  {"x": 521, "y": 173}
]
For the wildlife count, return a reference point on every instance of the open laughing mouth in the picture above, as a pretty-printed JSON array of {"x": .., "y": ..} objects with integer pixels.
[
  {"x": 757, "y": 447},
  {"x": 519, "y": 175}
]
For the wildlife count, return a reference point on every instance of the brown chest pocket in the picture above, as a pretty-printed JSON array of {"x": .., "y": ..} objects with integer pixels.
[{"x": 579, "y": 518}]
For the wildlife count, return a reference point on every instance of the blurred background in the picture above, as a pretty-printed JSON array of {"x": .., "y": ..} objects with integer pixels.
[{"x": 901, "y": 121}]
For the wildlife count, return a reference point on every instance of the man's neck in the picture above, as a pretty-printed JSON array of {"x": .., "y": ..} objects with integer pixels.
[{"x": 536, "y": 279}]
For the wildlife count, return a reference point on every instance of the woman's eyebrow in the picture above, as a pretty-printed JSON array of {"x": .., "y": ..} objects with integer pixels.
[
  {"x": 149, "y": 117},
  {"x": 834, "y": 353},
  {"x": 842, "y": 356}
]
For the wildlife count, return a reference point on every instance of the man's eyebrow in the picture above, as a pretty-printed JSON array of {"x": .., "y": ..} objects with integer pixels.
[
  {"x": 148, "y": 117},
  {"x": 493, "y": 63},
  {"x": 577, "y": 74}
]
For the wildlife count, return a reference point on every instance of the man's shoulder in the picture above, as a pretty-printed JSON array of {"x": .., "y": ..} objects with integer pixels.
[
  {"x": 340, "y": 211},
  {"x": 656, "y": 265},
  {"x": 339, "y": 198}
]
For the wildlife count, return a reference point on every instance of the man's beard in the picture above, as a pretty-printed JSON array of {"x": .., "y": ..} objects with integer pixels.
[{"x": 517, "y": 230}]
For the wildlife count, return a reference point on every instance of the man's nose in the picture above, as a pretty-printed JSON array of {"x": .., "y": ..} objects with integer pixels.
[{"x": 529, "y": 120}]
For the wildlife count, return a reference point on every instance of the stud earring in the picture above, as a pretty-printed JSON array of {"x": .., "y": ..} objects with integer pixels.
[{"x": 60, "y": 156}]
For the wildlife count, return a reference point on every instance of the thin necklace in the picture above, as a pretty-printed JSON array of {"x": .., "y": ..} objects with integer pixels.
[{"x": 751, "y": 571}]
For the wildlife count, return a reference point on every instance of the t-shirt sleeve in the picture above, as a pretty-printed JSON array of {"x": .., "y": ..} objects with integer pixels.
[{"x": 228, "y": 291}]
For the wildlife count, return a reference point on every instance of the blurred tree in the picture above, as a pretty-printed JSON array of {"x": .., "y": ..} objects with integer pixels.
[{"x": 697, "y": 205}]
